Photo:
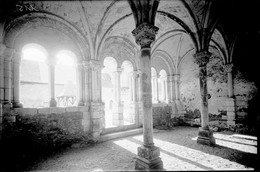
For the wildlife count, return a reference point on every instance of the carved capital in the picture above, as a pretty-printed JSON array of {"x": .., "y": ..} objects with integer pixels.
[
  {"x": 202, "y": 58},
  {"x": 145, "y": 34},
  {"x": 176, "y": 77},
  {"x": 228, "y": 67},
  {"x": 51, "y": 61},
  {"x": 8, "y": 54},
  {"x": 170, "y": 78},
  {"x": 95, "y": 65},
  {"x": 17, "y": 57}
]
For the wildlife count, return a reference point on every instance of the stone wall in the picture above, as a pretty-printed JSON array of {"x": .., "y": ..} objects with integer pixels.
[{"x": 244, "y": 90}]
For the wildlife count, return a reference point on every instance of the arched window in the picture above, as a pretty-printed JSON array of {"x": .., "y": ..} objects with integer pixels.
[
  {"x": 162, "y": 83},
  {"x": 66, "y": 79},
  {"x": 34, "y": 76}
]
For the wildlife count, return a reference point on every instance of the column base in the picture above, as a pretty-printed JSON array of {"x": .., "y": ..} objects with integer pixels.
[
  {"x": 53, "y": 103},
  {"x": 148, "y": 159},
  {"x": 17, "y": 105},
  {"x": 205, "y": 137}
]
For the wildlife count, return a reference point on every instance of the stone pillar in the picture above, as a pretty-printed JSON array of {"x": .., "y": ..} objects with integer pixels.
[
  {"x": 171, "y": 93},
  {"x": 155, "y": 90},
  {"x": 205, "y": 136},
  {"x": 133, "y": 114},
  {"x": 2, "y": 50},
  {"x": 139, "y": 97},
  {"x": 8, "y": 55},
  {"x": 177, "y": 86},
  {"x": 230, "y": 102},
  {"x": 148, "y": 154},
  {"x": 52, "y": 63},
  {"x": 178, "y": 103},
  {"x": 81, "y": 81},
  {"x": 118, "y": 118},
  {"x": 96, "y": 105},
  {"x": 16, "y": 76}
]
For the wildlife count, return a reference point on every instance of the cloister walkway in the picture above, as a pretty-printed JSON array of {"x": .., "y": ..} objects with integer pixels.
[{"x": 179, "y": 151}]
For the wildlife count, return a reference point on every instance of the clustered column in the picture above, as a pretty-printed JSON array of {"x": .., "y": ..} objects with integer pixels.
[
  {"x": 230, "y": 102},
  {"x": 96, "y": 106},
  {"x": 118, "y": 119},
  {"x": 205, "y": 136},
  {"x": 133, "y": 105},
  {"x": 81, "y": 79},
  {"x": 148, "y": 154},
  {"x": 2, "y": 49},
  {"x": 52, "y": 63},
  {"x": 16, "y": 76},
  {"x": 8, "y": 55}
]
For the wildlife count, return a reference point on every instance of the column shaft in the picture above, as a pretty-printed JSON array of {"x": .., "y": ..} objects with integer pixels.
[
  {"x": 81, "y": 81},
  {"x": 52, "y": 61},
  {"x": 205, "y": 136},
  {"x": 8, "y": 55},
  {"x": 2, "y": 49},
  {"x": 16, "y": 76}
]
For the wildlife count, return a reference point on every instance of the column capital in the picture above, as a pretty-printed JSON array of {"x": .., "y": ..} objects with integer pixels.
[
  {"x": 95, "y": 65},
  {"x": 51, "y": 61},
  {"x": 8, "y": 53},
  {"x": 202, "y": 58},
  {"x": 145, "y": 34},
  {"x": 170, "y": 78},
  {"x": 118, "y": 70},
  {"x": 176, "y": 77},
  {"x": 228, "y": 67},
  {"x": 17, "y": 57}
]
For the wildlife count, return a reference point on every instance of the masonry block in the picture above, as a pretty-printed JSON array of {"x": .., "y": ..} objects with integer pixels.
[
  {"x": 44, "y": 110},
  {"x": 97, "y": 115},
  {"x": 72, "y": 109},
  {"x": 26, "y": 111},
  {"x": 83, "y": 108}
]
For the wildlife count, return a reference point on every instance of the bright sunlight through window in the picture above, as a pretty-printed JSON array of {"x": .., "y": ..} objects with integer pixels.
[{"x": 33, "y": 54}]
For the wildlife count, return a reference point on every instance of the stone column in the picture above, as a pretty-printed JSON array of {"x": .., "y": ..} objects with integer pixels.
[
  {"x": 81, "y": 81},
  {"x": 177, "y": 86},
  {"x": 94, "y": 68},
  {"x": 139, "y": 97},
  {"x": 118, "y": 118},
  {"x": 16, "y": 76},
  {"x": 230, "y": 102},
  {"x": 171, "y": 97},
  {"x": 52, "y": 63},
  {"x": 155, "y": 90},
  {"x": 205, "y": 136},
  {"x": 8, "y": 55},
  {"x": 178, "y": 103},
  {"x": 133, "y": 115},
  {"x": 148, "y": 154},
  {"x": 2, "y": 49}
]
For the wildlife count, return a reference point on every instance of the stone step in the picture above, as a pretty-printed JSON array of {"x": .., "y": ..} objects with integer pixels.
[{"x": 116, "y": 135}]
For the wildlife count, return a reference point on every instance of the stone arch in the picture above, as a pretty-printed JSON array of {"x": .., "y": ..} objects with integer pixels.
[
  {"x": 166, "y": 58},
  {"x": 33, "y": 19},
  {"x": 120, "y": 49}
]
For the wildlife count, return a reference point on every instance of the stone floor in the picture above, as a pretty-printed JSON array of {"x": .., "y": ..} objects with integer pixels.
[{"x": 179, "y": 151}]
